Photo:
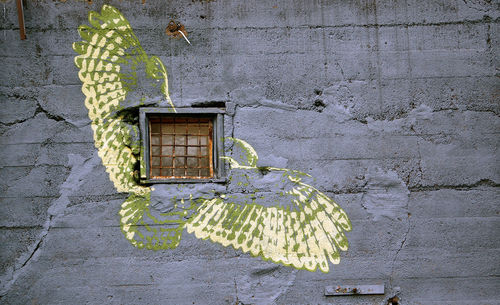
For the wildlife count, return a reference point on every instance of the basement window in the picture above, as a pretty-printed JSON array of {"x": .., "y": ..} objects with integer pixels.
[{"x": 180, "y": 147}]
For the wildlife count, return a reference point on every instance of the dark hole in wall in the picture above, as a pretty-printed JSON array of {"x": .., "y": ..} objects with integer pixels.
[
  {"x": 130, "y": 115},
  {"x": 216, "y": 104},
  {"x": 318, "y": 105},
  {"x": 393, "y": 301}
]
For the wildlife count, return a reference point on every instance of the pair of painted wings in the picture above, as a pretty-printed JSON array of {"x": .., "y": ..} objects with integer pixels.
[{"x": 303, "y": 229}]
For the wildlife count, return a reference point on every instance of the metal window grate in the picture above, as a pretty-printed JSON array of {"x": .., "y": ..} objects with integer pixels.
[{"x": 181, "y": 147}]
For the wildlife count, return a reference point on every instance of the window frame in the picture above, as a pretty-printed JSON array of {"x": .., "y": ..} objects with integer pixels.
[{"x": 217, "y": 115}]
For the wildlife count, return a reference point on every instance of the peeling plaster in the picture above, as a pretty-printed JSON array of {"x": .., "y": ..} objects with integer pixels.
[{"x": 386, "y": 195}]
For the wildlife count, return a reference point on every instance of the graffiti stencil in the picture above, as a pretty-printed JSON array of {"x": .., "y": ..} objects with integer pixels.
[{"x": 295, "y": 225}]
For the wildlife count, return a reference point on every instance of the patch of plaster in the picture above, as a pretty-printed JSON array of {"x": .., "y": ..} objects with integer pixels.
[
  {"x": 254, "y": 97},
  {"x": 264, "y": 285},
  {"x": 386, "y": 195},
  {"x": 340, "y": 100},
  {"x": 80, "y": 167},
  {"x": 406, "y": 122}
]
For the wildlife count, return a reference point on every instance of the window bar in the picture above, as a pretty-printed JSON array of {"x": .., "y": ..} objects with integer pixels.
[
  {"x": 161, "y": 146},
  {"x": 169, "y": 127},
  {"x": 174, "y": 138},
  {"x": 198, "y": 154},
  {"x": 209, "y": 151},
  {"x": 186, "y": 148},
  {"x": 150, "y": 150}
]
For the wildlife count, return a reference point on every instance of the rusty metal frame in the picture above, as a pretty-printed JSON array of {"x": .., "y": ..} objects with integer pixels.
[
  {"x": 342, "y": 290},
  {"x": 20, "y": 16},
  {"x": 188, "y": 122},
  {"x": 214, "y": 145}
]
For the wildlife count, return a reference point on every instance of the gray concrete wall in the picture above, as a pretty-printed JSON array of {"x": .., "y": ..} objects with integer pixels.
[{"x": 393, "y": 106}]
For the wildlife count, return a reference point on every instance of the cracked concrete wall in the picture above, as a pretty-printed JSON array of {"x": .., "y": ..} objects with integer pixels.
[{"x": 393, "y": 106}]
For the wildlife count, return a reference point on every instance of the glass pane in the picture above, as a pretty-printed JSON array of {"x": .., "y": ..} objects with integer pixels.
[
  {"x": 192, "y": 151},
  {"x": 155, "y": 128},
  {"x": 155, "y": 150},
  {"x": 180, "y": 128},
  {"x": 204, "y": 151},
  {"x": 180, "y": 140},
  {"x": 166, "y": 161},
  {"x": 166, "y": 172},
  {"x": 204, "y": 172},
  {"x": 167, "y": 128},
  {"x": 179, "y": 162},
  {"x": 180, "y": 151},
  {"x": 155, "y": 172},
  {"x": 193, "y": 128},
  {"x": 180, "y": 146},
  {"x": 155, "y": 140},
  {"x": 166, "y": 150},
  {"x": 192, "y": 172},
  {"x": 204, "y": 162},
  {"x": 179, "y": 172},
  {"x": 192, "y": 140},
  {"x": 204, "y": 129},
  {"x": 167, "y": 140},
  {"x": 192, "y": 162}
]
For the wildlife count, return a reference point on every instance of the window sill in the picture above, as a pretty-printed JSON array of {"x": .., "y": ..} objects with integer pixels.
[{"x": 177, "y": 181}]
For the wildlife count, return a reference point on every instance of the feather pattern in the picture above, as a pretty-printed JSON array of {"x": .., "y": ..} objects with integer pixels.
[
  {"x": 304, "y": 230},
  {"x": 111, "y": 62}
]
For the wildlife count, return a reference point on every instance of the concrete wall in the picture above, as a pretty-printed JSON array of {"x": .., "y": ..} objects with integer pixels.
[{"x": 393, "y": 106}]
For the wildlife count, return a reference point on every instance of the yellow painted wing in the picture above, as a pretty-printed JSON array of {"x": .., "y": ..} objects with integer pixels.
[
  {"x": 305, "y": 229},
  {"x": 109, "y": 46},
  {"x": 117, "y": 74}
]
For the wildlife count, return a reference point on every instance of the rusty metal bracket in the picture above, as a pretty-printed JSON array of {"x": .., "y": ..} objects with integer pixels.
[
  {"x": 176, "y": 30},
  {"x": 20, "y": 16},
  {"x": 353, "y": 289}
]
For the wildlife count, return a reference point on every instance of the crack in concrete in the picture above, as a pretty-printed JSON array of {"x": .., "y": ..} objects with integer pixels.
[
  {"x": 405, "y": 236},
  {"x": 32, "y": 253},
  {"x": 17, "y": 121},
  {"x": 79, "y": 168},
  {"x": 37, "y": 246},
  {"x": 364, "y": 119},
  {"x": 236, "y": 292},
  {"x": 137, "y": 29},
  {"x": 437, "y": 187},
  {"x": 39, "y": 110},
  {"x": 289, "y": 284}
]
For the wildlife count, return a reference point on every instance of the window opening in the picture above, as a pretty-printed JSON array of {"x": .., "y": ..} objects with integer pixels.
[{"x": 181, "y": 147}]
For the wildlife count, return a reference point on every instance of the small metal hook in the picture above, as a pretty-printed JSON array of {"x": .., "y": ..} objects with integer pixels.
[{"x": 176, "y": 30}]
